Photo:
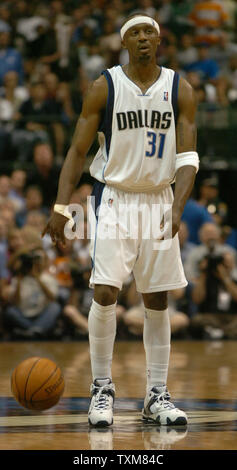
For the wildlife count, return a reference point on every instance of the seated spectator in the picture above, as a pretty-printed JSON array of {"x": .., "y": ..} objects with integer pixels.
[
  {"x": 43, "y": 50},
  {"x": 215, "y": 293},
  {"x": 44, "y": 174},
  {"x": 15, "y": 241},
  {"x": 210, "y": 246},
  {"x": 3, "y": 249},
  {"x": 205, "y": 92},
  {"x": 195, "y": 216},
  {"x": 60, "y": 268},
  {"x": 16, "y": 194},
  {"x": 32, "y": 310},
  {"x": 8, "y": 214},
  {"x": 59, "y": 92},
  {"x": 223, "y": 50},
  {"x": 32, "y": 122},
  {"x": 185, "y": 246},
  {"x": 110, "y": 43},
  {"x": 10, "y": 58},
  {"x": 13, "y": 94},
  {"x": 58, "y": 105},
  {"x": 229, "y": 80},
  {"x": 206, "y": 67},
  {"x": 187, "y": 54},
  {"x": 208, "y": 17},
  {"x": 34, "y": 202},
  {"x": 94, "y": 63},
  {"x": 209, "y": 198},
  {"x": 11, "y": 97},
  {"x": 5, "y": 186}
]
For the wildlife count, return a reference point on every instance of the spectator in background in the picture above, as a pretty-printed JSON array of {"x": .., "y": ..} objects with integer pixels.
[
  {"x": 32, "y": 122},
  {"x": 110, "y": 44},
  {"x": 44, "y": 49},
  {"x": 215, "y": 293},
  {"x": 3, "y": 249},
  {"x": 223, "y": 51},
  {"x": 16, "y": 194},
  {"x": 185, "y": 246},
  {"x": 8, "y": 214},
  {"x": 13, "y": 94},
  {"x": 14, "y": 241},
  {"x": 206, "y": 67},
  {"x": 94, "y": 62},
  {"x": 5, "y": 186},
  {"x": 10, "y": 58},
  {"x": 44, "y": 173},
  {"x": 229, "y": 81},
  {"x": 34, "y": 202},
  {"x": 59, "y": 93},
  {"x": 187, "y": 53},
  {"x": 209, "y": 198},
  {"x": 210, "y": 246},
  {"x": 195, "y": 216},
  {"x": 32, "y": 310},
  {"x": 208, "y": 17}
]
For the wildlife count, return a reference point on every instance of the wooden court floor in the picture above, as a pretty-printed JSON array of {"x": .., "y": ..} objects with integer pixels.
[{"x": 202, "y": 381}]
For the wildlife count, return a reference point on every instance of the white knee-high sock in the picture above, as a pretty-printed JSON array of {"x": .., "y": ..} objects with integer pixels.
[
  {"x": 102, "y": 331},
  {"x": 156, "y": 338}
]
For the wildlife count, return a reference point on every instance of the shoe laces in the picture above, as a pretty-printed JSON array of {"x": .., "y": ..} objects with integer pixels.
[
  {"x": 102, "y": 397},
  {"x": 164, "y": 398}
]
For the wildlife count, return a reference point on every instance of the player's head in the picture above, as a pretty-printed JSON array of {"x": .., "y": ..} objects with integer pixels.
[{"x": 140, "y": 34}]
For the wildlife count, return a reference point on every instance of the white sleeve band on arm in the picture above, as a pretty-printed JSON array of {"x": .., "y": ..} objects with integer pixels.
[
  {"x": 187, "y": 158},
  {"x": 62, "y": 209}
]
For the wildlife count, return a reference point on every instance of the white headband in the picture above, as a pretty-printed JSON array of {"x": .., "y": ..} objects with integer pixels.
[{"x": 139, "y": 20}]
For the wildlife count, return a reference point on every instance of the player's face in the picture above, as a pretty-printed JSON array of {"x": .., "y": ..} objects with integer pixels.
[{"x": 141, "y": 41}]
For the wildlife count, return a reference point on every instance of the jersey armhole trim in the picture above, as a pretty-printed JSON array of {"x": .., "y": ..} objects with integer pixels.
[
  {"x": 175, "y": 87},
  {"x": 106, "y": 126}
]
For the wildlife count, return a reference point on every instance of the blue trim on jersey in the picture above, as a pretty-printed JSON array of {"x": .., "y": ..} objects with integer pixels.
[
  {"x": 97, "y": 192},
  {"x": 175, "y": 95},
  {"x": 106, "y": 126}
]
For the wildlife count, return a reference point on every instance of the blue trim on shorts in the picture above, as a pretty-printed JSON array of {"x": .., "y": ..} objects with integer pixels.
[
  {"x": 97, "y": 192},
  {"x": 175, "y": 96}
]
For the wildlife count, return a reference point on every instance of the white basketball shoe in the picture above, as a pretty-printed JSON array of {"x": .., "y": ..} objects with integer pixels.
[
  {"x": 102, "y": 400},
  {"x": 159, "y": 409}
]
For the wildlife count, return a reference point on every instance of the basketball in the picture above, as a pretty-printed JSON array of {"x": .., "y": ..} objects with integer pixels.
[{"x": 37, "y": 383}]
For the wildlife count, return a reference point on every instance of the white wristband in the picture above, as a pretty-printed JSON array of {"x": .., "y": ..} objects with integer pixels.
[
  {"x": 187, "y": 158},
  {"x": 63, "y": 210}
]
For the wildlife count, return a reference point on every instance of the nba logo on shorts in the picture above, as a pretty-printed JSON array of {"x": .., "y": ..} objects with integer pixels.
[
  {"x": 166, "y": 95},
  {"x": 110, "y": 202}
]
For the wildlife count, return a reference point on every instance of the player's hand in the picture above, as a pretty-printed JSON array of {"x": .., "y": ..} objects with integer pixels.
[
  {"x": 176, "y": 219},
  {"x": 165, "y": 230},
  {"x": 55, "y": 228}
]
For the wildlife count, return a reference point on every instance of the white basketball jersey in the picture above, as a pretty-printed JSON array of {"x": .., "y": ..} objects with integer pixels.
[{"x": 137, "y": 137}]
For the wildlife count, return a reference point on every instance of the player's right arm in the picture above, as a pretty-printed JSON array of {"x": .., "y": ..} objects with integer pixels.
[{"x": 87, "y": 126}]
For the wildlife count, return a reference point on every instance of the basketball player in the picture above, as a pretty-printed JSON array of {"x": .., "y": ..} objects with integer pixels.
[{"x": 147, "y": 117}]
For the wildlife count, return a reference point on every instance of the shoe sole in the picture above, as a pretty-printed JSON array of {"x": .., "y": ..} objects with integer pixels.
[
  {"x": 180, "y": 421},
  {"x": 100, "y": 424}
]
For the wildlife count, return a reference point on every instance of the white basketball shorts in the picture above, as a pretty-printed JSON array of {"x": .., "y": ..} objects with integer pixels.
[{"x": 123, "y": 231}]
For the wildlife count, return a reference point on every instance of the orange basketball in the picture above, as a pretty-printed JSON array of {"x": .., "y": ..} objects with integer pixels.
[{"x": 37, "y": 383}]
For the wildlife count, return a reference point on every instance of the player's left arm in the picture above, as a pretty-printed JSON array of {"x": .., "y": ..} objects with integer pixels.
[{"x": 187, "y": 161}]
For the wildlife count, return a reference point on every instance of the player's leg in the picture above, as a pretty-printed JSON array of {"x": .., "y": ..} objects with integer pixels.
[
  {"x": 156, "y": 337},
  {"x": 102, "y": 331}
]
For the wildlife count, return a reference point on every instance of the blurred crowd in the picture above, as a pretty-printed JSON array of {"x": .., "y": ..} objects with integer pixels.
[{"x": 50, "y": 51}]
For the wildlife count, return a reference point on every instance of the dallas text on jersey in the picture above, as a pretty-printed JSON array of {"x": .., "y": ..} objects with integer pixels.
[{"x": 143, "y": 118}]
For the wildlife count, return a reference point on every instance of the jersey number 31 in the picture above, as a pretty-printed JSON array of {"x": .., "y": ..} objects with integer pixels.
[{"x": 153, "y": 144}]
